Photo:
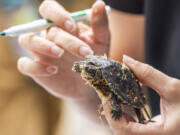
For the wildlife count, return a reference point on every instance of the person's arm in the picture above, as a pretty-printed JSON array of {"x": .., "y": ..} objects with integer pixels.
[{"x": 127, "y": 35}]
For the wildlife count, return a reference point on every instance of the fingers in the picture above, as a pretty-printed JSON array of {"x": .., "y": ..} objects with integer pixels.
[
  {"x": 33, "y": 68},
  {"x": 82, "y": 28},
  {"x": 153, "y": 78},
  {"x": 37, "y": 44},
  {"x": 68, "y": 42},
  {"x": 85, "y": 33},
  {"x": 145, "y": 129},
  {"x": 99, "y": 22},
  {"x": 52, "y": 10},
  {"x": 52, "y": 42},
  {"x": 124, "y": 127}
]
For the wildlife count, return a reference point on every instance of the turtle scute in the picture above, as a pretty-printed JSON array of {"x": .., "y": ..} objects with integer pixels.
[{"x": 115, "y": 82}]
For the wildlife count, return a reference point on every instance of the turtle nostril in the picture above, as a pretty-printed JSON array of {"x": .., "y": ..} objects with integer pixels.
[
  {"x": 91, "y": 63},
  {"x": 76, "y": 68}
]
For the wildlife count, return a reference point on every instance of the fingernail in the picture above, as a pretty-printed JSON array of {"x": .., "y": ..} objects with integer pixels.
[
  {"x": 128, "y": 60},
  {"x": 52, "y": 70},
  {"x": 84, "y": 51},
  {"x": 96, "y": 8},
  {"x": 57, "y": 51},
  {"x": 69, "y": 26}
]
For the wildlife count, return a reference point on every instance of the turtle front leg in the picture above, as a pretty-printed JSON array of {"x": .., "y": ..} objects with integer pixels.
[
  {"x": 116, "y": 111},
  {"x": 116, "y": 114}
]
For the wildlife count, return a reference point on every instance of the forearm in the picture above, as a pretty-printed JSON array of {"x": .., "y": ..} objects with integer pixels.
[{"x": 127, "y": 35}]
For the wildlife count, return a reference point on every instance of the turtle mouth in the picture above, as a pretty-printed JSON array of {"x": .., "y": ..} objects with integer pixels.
[
  {"x": 88, "y": 71},
  {"x": 77, "y": 67}
]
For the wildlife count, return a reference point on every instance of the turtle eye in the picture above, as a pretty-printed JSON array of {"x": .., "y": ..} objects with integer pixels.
[
  {"x": 91, "y": 63},
  {"x": 90, "y": 71}
]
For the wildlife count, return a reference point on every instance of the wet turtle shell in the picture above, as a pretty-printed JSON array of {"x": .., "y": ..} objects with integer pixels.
[{"x": 113, "y": 81}]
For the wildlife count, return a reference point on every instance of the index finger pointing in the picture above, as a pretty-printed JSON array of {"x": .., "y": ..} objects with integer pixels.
[{"x": 53, "y": 11}]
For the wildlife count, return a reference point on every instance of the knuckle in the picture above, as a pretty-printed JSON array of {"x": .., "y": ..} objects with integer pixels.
[
  {"x": 61, "y": 17},
  {"x": 40, "y": 45},
  {"x": 24, "y": 39},
  {"x": 147, "y": 71},
  {"x": 45, "y": 47},
  {"x": 59, "y": 20},
  {"x": 52, "y": 33},
  {"x": 174, "y": 84}
]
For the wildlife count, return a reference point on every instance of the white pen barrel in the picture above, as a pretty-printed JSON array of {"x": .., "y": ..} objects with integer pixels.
[
  {"x": 34, "y": 26},
  {"x": 39, "y": 25}
]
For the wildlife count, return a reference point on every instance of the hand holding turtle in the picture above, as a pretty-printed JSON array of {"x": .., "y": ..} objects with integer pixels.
[{"x": 167, "y": 123}]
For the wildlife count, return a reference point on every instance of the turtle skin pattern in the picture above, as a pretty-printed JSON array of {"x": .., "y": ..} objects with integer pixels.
[{"x": 113, "y": 81}]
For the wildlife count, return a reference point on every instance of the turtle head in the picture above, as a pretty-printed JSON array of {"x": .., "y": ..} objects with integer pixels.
[
  {"x": 78, "y": 66},
  {"x": 87, "y": 69},
  {"x": 90, "y": 68}
]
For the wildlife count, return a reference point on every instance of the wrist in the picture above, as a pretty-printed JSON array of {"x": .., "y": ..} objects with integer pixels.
[{"x": 88, "y": 105}]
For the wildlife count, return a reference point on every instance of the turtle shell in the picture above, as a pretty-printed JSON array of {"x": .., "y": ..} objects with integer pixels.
[
  {"x": 124, "y": 84},
  {"x": 109, "y": 76}
]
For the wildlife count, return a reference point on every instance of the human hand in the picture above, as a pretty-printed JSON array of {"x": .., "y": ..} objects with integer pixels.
[
  {"x": 58, "y": 47},
  {"x": 168, "y": 122}
]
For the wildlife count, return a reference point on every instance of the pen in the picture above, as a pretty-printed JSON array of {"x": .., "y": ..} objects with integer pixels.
[{"x": 42, "y": 24}]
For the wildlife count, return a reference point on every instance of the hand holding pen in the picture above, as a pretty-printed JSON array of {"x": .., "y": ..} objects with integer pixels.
[
  {"x": 42, "y": 24},
  {"x": 56, "y": 49}
]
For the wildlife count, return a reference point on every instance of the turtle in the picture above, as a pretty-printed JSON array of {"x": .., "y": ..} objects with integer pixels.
[{"x": 115, "y": 82}]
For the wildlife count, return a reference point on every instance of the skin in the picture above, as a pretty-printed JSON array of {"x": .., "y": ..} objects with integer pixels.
[
  {"x": 53, "y": 71},
  {"x": 167, "y": 123},
  {"x": 127, "y": 35},
  {"x": 58, "y": 47}
]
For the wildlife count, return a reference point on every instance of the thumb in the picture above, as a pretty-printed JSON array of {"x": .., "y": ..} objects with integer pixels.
[
  {"x": 99, "y": 23},
  {"x": 150, "y": 76}
]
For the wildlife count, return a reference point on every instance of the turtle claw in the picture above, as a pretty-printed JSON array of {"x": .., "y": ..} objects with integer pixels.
[{"x": 116, "y": 115}]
